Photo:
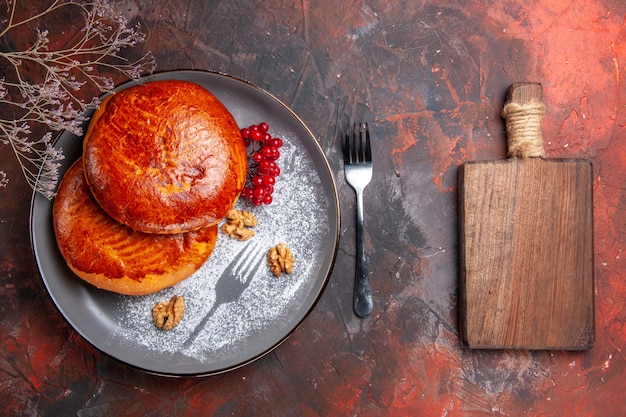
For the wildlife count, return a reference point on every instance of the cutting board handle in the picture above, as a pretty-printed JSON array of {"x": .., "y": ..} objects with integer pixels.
[{"x": 523, "y": 113}]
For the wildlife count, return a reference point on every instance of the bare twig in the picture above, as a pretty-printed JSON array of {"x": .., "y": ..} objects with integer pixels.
[{"x": 55, "y": 101}]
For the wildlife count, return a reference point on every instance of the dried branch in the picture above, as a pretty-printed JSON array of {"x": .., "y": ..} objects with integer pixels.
[{"x": 55, "y": 100}]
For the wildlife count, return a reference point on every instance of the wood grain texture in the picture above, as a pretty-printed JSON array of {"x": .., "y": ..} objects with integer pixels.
[
  {"x": 526, "y": 233},
  {"x": 526, "y": 255}
]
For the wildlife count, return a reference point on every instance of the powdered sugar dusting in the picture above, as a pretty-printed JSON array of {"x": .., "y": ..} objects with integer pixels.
[{"x": 297, "y": 217}]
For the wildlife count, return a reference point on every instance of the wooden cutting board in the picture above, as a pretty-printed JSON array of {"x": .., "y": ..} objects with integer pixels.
[{"x": 526, "y": 241}]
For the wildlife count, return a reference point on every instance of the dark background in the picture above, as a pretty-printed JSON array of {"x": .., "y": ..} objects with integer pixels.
[{"x": 429, "y": 78}]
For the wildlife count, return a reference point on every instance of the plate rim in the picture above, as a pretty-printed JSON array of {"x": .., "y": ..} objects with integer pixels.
[{"x": 334, "y": 234}]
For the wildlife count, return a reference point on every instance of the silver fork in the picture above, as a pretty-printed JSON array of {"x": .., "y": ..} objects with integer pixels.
[
  {"x": 232, "y": 283},
  {"x": 357, "y": 158}
]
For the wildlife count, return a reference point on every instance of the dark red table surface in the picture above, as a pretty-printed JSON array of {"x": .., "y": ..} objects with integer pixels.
[{"x": 430, "y": 79}]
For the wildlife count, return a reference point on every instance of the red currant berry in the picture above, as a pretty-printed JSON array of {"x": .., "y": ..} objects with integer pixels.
[
  {"x": 267, "y": 152},
  {"x": 274, "y": 154},
  {"x": 269, "y": 180},
  {"x": 264, "y": 167},
  {"x": 247, "y": 192},
  {"x": 258, "y": 181},
  {"x": 262, "y": 171},
  {"x": 258, "y": 192},
  {"x": 256, "y": 135}
]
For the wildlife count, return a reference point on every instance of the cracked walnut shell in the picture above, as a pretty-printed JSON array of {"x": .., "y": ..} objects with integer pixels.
[
  {"x": 280, "y": 259},
  {"x": 238, "y": 224},
  {"x": 167, "y": 316}
]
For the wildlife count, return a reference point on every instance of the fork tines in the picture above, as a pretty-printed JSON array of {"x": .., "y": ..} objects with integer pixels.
[{"x": 354, "y": 150}]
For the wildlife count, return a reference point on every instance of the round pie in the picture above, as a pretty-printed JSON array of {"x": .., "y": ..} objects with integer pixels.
[
  {"x": 114, "y": 257},
  {"x": 165, "y": 157}
]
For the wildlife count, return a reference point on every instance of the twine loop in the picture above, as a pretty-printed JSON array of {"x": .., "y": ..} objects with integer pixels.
[{"x": 524, "y": 129}]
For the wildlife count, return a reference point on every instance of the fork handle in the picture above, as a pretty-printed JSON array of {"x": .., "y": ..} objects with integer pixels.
[{"x": 363, "y": 304}]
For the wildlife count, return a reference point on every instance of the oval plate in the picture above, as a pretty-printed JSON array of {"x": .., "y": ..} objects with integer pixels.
[{"x": 304, "y": 215}]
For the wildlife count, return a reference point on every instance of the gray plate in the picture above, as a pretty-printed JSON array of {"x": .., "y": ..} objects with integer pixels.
[{"x": 120, "y": 325}]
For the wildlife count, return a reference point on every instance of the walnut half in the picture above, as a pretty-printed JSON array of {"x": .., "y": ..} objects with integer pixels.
[
  {"x": 280, "y": 259},
  {"x": 167, "y": 316},
  {"x": 238, "y": 224}
]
